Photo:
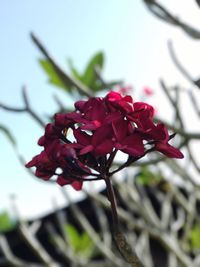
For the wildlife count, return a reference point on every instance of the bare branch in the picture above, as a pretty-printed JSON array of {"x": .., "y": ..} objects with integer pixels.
[
  {"x": 27, "y": 108},
  {"x": 162, "y": 13}
]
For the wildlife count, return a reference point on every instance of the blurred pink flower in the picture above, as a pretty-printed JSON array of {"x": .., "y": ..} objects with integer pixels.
[
  {"x": 148, "y": 91},
  {"x": 125, "y": 90}
]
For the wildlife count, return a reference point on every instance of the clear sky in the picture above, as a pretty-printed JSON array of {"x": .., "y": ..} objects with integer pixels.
[{"x": 134, "y": 43}]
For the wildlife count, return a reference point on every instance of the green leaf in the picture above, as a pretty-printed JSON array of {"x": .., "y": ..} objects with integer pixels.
[
  {"x": 73, "y": 236},
  {"x": 8, "y": 135},
  {"x": 53, "y": 75},
  {"x": 90, "y": 77},
  {"x": 194, "y": 237},
  {"x": 6, "y": 223},
  {"x": 74, "y": 71},
  {"x": 86, "y": 246},
  {"x": 147, "y": 177},
  {"x": 96, "y": 62},
  {"x": 80, "y": 243}
]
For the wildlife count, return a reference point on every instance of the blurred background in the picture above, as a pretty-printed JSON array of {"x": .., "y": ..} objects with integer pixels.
[
  {"x": 151, "y": 49},
  {"x": 134, "y": 44}
]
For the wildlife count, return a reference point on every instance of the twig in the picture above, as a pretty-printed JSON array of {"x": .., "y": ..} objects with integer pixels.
[
  {"x": 103, "y": 222},
  {"x": 36, "y": 246},
  {"x": 193, "y": 100},
  {"x": 177, "y": 63},
  {"x": 163, "y": 14},
  {"x": 27, "y": 108},
  {"x": 174, "y": 103},
  {"x": 63, "y": 247},
  {"x": 164, "y": 238},
  {"x": 10, "y": 257},
  {"x": 116, "y": 261}
]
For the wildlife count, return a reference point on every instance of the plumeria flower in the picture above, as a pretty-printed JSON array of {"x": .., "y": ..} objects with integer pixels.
[{"x": 99, "y": 127}]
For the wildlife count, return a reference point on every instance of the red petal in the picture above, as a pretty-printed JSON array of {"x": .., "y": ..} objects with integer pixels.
[
  {"x": 32, "y": 163},
  {"x": 132, "y": 145},
  {"x": 86, "y": 150},
  {"x": 93, "y": 125},
  {"x": 42, "y": 174},
  {"x": 104, "y": 148},
  {"x": 113, "y": 96},
  {"x": 80, "y": 105},
  {"x": 77, "y": 185},
  {"x": 82, "y": 138},
  {"x": 101, "y": 135},
  {"x": 120, "y": 128},
  {"x": 61, "y": 181},
  {"x": 169, "y": 150}
]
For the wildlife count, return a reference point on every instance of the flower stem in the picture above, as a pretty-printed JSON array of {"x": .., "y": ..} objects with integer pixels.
[
  {"x": 110, "y": 159},
  {"x": 124, "y": 248},
  {"x": 111, "y": 198}
]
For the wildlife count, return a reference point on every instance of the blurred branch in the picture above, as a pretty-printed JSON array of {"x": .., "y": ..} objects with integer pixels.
[
  {"x": 194, "y": 102},
  {"x": 63, "y": 247},
  {"x": 81, "y": 88},
  {"x": 103, "y": 223},
  {"x": 198, "y": 2},
  {"x": 165, "y": 238},
  {"x": 162, "y": 13},
  {"x": 180, "y": 67},
  {"x": 27, "y": 108},
  {"x": 32, "y": 241},
  {"x": 179, "y": 130},
  {"x": 116, "y": 261},
  {"x": 174, "y": 103},
  {"x": 9, "y": 256}
]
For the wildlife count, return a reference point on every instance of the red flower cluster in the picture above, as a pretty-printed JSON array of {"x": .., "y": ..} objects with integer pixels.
[{"x": 81, "y": 145}]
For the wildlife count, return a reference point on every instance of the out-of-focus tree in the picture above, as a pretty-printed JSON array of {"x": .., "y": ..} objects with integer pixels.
[{"x": 160, "y": 217}]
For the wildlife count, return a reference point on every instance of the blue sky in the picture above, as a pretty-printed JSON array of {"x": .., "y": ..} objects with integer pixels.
[{"x": 133, "y": 41}]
